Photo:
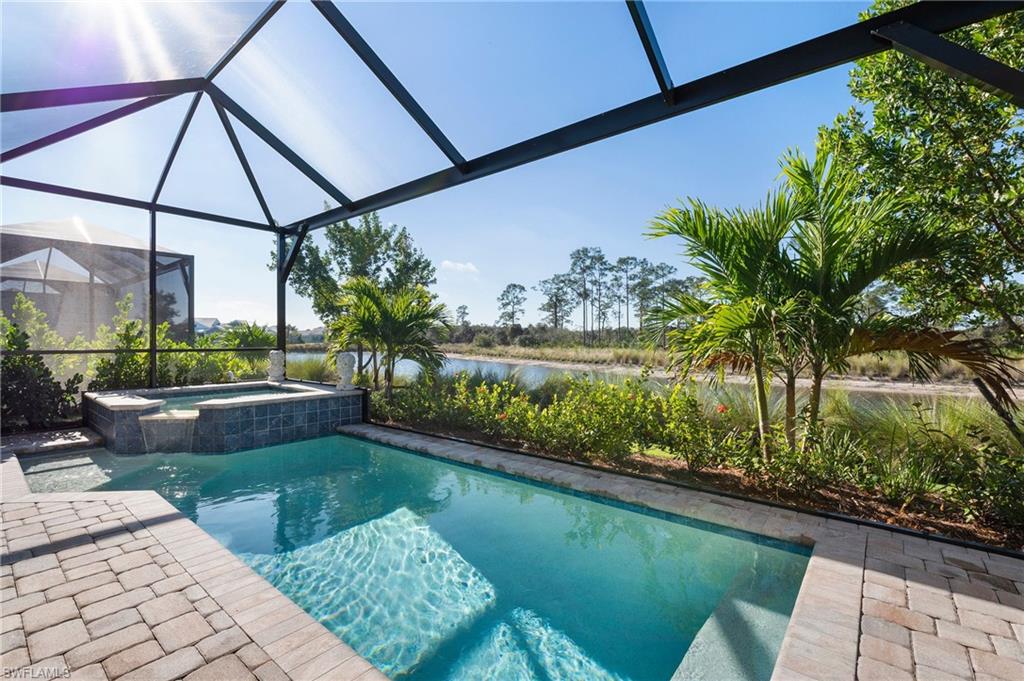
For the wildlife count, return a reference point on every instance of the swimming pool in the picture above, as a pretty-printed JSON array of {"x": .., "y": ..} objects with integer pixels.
[{"x": 434, "y": 570}]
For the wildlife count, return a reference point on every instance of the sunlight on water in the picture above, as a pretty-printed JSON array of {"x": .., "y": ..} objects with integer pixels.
[
  {"x": 528, "y": 648},
  {"x": 391, "y": 574}
]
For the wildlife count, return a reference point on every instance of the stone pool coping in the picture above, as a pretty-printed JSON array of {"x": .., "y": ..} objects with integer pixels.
[
  {"x": 874, "y": 605},
  {"x": 146, "y": 398},
  {"x": 113, "y": 585}
]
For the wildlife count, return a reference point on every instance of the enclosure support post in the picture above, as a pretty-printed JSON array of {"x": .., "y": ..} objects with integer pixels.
[
  {"x": 152, "y": 298},
  {"x": 282, "y": 282}
]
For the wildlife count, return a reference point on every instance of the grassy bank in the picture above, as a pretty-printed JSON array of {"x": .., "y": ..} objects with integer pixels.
[
  {"x": 893, "y": 366},
  {"x": 627, "y": 356}
]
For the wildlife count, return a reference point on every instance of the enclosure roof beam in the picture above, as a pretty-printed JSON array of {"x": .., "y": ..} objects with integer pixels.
[
  {"x": 173, "y": 153},
  {"x": 72, "y": 192},
  {"x": 817, "y": 54},
  {"x": 244, "y": 39},
  {"x": 388, "y": 79},
  {"x": 293, "y": 253},
  {"x": 84, "y": 126},
  {"x": 230, "y": 131},
  {"x": 959, "y": 62},
  {"x": 42, "y": 99},
  {"x": 651, "y": 48},
  {"x": 276, "y": 144}
]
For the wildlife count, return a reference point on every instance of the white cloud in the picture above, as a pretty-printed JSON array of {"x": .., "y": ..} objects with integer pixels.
[{"x": 460, "y": 267}]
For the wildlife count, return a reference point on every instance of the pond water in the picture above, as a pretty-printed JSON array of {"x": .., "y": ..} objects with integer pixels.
[{"x": 533, "y": 375}]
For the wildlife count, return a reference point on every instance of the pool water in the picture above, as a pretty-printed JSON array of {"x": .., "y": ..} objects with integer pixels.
[
  {"x": 434, "y": 570},
  {"x": 190, "y": 401}
]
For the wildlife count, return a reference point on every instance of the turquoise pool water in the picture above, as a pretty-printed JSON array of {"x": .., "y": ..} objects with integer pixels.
[
  {"x": 433, "y": 570},
  {"x": 189, "y": 401}
]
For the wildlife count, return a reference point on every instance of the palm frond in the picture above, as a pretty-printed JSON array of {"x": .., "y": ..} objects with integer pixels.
[{"x": 927, "y": 348}]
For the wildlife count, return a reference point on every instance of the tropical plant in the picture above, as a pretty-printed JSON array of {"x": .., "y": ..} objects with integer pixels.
[
  {"x": 743, "y": 311},
  {"x": 126, "y": 368},
  {"x": 249, "y": 335},
  {"x": 787, "y": 289},
  {"x": 30, "y": 394},
  {"x": 393, "y": 325}
]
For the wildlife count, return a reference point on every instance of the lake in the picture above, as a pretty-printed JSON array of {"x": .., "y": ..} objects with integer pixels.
[{"x": 533, "y": 375}]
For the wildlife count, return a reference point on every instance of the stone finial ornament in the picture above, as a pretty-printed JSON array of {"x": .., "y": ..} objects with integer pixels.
[
  {"x": 276, "y": 372},
  {"x": 346, "y": 365}
]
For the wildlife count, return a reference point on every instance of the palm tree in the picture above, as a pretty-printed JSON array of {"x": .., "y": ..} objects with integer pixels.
[
  {"x": 394, "y": 325},
  {"x": 786, "y": 289},
  {"x": 840, "y": 246},
  {"x": 735, "y": 326},
  {"x": 249, "y": 335}
]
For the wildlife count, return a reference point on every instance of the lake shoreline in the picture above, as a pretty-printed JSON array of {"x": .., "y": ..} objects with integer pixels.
[{"x": 850, "y": 384}]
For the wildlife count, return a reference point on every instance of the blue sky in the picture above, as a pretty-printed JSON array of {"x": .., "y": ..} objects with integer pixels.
[{"x": 489, "y": 74}]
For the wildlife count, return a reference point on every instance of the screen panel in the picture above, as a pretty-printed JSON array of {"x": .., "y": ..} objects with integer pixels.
[
  {"x": 48, "y": 45},
  {"x": 302, "y": 81},
  {"x": 74, "y": 274},
  {"x": 493, "y": 74}
]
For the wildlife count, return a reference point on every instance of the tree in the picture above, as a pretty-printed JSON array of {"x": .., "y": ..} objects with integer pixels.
[
  {"x": 559, "y": 299},
  {"x": 393, "y": 324},
  {"x": 628, "y": 268},
  {"x": 740, "y": 253},
  {"x": 647, "y": 290},
  {"x": 462, "y": 315},
  {"x": 510, "y": 304},
  {"x": 249, "y": 335},
  {"x": 382, "y": 253},
  {"x": 789, "y": 282},
  {"x": 954, "y": 153}
]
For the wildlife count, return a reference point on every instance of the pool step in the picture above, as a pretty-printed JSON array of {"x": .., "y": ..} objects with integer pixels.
[
  {"x": 740, "y": 640},
  {"x": 526, "y": 647},
  {"x": 22, "y": 444}
]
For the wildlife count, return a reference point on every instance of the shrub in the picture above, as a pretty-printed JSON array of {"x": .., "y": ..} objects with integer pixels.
[
  {"x": 683, "y": 430},
  {"x": 30, "y": 394},
  {"x": 910, "y": 455},
  {"x": 483, "y": 340},
  {"x": 311, "y": 369}
]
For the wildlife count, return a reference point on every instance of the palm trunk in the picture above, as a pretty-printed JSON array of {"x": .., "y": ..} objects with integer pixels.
[
  {"x": 389, "y": 378},
  {"x": 376, "y": 370},
  {"x": 817, "y": 375},
  {"x": 791, "y": 407},
  {"x": 761, "y": 399}
]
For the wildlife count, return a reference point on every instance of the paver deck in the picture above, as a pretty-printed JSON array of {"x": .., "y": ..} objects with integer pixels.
[
  {"x": 874, "y": 605},
  {"x": 120, "y": 585},
  {"x": 113, "y": 585}
]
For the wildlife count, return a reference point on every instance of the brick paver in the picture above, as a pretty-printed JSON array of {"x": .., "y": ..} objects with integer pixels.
[{"x": 96, "y": 590}]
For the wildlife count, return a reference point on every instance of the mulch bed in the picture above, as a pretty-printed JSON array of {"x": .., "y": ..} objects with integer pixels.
[{"x": 929, "y": 516}]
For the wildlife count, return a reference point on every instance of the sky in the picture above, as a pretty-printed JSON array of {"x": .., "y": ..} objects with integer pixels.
[{"x": 489, "y": 74}]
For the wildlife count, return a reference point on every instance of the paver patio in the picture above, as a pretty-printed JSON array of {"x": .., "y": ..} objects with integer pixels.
[
  {"x": 120, "y": 585},
  {"x": 117, "y": 585}
]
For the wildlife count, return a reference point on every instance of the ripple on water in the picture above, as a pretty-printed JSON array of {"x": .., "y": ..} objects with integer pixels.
[{"x": 392, "y": 587}]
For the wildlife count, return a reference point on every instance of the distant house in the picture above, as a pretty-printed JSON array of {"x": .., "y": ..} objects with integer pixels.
[
  {"x": 205, "y": 325},
  {"x": 76, "y": 272}
]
